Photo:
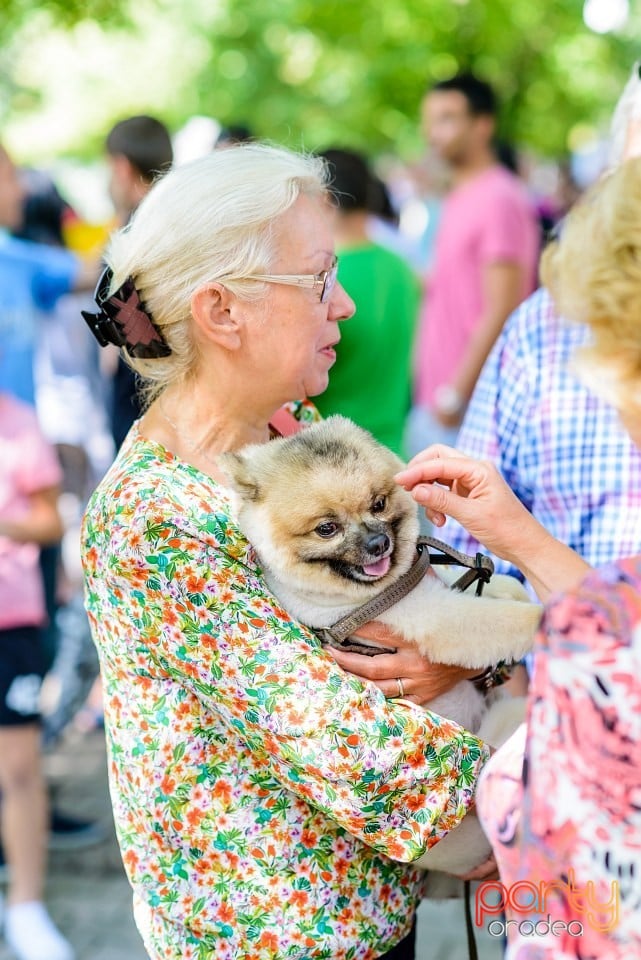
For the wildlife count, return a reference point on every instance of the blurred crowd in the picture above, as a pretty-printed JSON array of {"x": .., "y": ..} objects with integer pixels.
[{"x": 436, "y": 256}]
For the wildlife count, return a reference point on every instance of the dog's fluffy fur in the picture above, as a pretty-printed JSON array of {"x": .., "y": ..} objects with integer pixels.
[{"x": 332, "y": 529}]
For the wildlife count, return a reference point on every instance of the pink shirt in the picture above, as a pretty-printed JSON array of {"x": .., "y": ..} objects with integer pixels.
[
  {"x": 27, "y": 464},
  {"x": 486, "y": 220}
]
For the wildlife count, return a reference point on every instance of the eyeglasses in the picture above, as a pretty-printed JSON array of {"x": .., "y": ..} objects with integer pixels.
[{"x": 324, "y": 281}]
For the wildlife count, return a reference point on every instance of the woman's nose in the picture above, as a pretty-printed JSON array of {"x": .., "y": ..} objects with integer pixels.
[{"x": 341, "y": 305}]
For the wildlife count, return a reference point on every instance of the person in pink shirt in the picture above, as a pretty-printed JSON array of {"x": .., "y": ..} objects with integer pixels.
[
  {"x": 486, "y": 257},
  {"x": 29, "y": 480}
]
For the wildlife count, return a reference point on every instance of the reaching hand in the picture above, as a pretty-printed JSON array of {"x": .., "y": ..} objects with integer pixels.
[
  {"x": 447, "y": 482},
  {"x": 421, "y": 680}
]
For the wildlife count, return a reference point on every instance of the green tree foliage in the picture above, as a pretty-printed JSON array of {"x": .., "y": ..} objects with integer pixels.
[
  {"x": 310, "y": 72},
  {"x": 356, "y": 69},
  {"x": 14, "y": 13}
]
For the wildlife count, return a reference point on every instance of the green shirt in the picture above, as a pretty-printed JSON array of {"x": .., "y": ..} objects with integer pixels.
[{"x": 371, "y": 380}]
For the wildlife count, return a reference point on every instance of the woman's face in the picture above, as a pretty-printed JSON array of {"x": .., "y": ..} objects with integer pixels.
[{"x": 292, "y": 335}]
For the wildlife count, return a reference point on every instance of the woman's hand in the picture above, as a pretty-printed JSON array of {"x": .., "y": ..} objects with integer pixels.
[
  {"x": 447, "y": 482},
  {"x": 420, "y": 679},
  {"x": 488, "y": 870}
]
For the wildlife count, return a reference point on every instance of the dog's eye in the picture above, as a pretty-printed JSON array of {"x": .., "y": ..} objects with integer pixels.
[
  {"x": 327, "y": 529},
  {"x": 379, "y": 505}
]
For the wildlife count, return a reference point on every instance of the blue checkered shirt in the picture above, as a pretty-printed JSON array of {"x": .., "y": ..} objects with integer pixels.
[{"x": 561, "y": 449}]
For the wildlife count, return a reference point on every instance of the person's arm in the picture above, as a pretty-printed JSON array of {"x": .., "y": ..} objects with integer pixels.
[
  {"x": 37, "y": 478},
  {"x": 41, "y": 524},
  {"x": 57, "y": 272},
  {"x": 503, "y": 283},
  {"x": 394, "y": 776},
  {"x": 447, "y": 483}
]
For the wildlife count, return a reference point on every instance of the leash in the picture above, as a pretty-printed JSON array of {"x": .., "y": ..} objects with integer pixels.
[
  {"x": 479, "y": 570},
  {"x": 472, "y": 950}
]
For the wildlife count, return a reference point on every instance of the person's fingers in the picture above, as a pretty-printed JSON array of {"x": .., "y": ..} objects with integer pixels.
[
  {"x": 437, "y": 519},
  {"x": 381, "y": 632},
  {"x": 487, "y": 870},
  {"x": 366, "y": 668},
  {"x": 409, "y": 477},
  {"x": 392, "y": 690},
  {"x": 437, "y": 500},
  {"x": 369, "y": 668},
  {"x": 377, "y": 630},
  {"x": 437, "y": 470},
  {"x": 435, "y": 450}
]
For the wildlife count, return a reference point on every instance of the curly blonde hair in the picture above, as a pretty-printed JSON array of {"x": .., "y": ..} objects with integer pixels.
[{"x": 594, "y": 275}]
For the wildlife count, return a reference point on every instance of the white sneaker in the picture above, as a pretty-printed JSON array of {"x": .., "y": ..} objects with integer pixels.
[{"x": 32, "y": 934}]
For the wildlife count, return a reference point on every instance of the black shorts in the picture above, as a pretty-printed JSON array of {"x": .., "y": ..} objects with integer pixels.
[
  {"x": 22, "y": 667},
  {"x": 405, "y": 950}
]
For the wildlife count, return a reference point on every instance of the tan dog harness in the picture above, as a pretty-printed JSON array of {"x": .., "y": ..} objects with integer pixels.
[{"x": 480, "y": 570}]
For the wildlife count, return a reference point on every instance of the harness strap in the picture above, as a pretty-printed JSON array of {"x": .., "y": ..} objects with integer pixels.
[
  {"x": 347, "y": 625},
  {"x": 480, "y": 569}
]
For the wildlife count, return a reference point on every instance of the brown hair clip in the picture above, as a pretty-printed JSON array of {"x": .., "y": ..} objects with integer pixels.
[{"x": 124, "y": 320}]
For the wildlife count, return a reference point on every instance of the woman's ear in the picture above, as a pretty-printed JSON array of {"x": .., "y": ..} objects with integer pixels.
[{"x": 215, "y": 313}]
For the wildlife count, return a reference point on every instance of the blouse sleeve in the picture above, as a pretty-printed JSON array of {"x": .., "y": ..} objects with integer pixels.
[{"x": 391, "y": 774}]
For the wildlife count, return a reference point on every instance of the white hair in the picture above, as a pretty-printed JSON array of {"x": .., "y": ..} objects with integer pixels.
[{"x": 208, "y": 220}]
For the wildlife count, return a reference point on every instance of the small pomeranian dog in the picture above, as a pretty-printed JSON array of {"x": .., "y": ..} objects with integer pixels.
[{"x": 332, "y": 530}]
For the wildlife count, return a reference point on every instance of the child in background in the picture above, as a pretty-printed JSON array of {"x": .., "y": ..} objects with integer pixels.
[{"x": 29, "y": 479}]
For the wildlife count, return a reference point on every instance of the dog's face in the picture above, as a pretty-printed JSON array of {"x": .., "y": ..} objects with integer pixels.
[{"x": 322, "y": 510}]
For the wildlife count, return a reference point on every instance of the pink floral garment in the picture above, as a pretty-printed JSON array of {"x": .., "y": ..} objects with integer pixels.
[
  {"x": 574, "y": 816},
  {"x": 266, "y": 803}
]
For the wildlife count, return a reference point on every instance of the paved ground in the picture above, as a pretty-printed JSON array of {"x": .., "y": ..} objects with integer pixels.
[{"x": 90, "y": 898}]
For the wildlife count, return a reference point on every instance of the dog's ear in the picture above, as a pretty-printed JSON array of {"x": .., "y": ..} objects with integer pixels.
[{"x": 239, "y": 472}]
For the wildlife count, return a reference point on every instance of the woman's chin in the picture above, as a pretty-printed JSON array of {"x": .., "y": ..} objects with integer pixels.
[{"x": 317, "y": 385}]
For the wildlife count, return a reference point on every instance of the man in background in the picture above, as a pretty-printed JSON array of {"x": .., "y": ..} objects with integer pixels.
[
  {"x": 559, "y": 445},
  {"x": 139, "y": 150},
  {"x": 487, "y": 250}
]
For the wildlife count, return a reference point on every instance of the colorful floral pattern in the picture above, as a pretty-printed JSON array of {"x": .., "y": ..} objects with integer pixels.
[
  {"x": 267, "y": 805},
  {"x": 571, "y": 814}
]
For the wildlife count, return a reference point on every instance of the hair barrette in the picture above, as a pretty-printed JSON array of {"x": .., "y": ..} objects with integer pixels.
[{"x": 124, "y": 320}]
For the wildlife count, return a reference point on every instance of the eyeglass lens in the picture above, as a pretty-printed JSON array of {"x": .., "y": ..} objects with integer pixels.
[{"x": 329, "y": 282}]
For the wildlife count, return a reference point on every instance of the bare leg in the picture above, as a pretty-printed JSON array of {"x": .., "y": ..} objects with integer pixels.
[{"x": 23, "y": 813}]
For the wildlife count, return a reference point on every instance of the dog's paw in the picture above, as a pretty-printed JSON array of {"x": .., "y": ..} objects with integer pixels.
[{"x": 503, "y": 587}]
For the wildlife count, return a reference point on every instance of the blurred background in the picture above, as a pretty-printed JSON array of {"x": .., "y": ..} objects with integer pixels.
[
  {"x": 304, "y": 74},
  {"x": 297, "y": 72}
]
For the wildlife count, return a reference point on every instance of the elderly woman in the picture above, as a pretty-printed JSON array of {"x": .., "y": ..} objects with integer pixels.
[
  {"x": 566, "y": 823},
  {"x": 266, "y": 803}
]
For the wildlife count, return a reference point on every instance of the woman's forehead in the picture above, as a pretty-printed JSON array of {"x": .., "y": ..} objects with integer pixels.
[{"x": 306, "y": 229}]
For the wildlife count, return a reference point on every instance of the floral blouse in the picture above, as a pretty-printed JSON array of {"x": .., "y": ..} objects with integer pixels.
[
  {"x": 267, "y": 804},
  {"x": 568, "y": 820}
]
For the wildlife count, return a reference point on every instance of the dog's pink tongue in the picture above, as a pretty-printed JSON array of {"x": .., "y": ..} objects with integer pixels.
[{"x": 378, "y": 569}]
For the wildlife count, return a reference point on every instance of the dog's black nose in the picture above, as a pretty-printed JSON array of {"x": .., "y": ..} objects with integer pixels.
[{"x": 377, "y": 544}]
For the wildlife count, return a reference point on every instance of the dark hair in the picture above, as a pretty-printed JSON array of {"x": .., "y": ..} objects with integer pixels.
[
  {"x": 479, "y": 94},
  {"x": 234, "y": 133},
  {"x": 507, "y": 155},
  {"x": 351, "y": 182},
  {"x": 381, "y": 201},
  {"x": 44, "y": 209},
  {"x": 145, "y": 142}
]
